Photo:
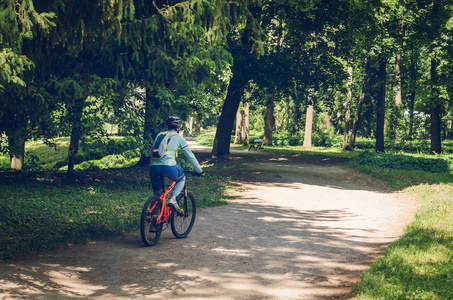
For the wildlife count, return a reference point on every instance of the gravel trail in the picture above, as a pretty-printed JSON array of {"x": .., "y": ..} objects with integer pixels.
[{"x": 298, "y": 229}]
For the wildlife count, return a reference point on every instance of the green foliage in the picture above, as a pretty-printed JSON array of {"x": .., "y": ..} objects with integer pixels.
[
  {"x": 108, "y": 162},
  {"x": 12, "y": 66},
  {"x": 426, "y": 163},
  {"x": 126, "y": 147}
]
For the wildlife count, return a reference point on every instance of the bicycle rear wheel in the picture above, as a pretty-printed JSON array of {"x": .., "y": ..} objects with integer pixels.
[
  {"x": 182, "y": 223},
  {"x": 150, "y": 230}
]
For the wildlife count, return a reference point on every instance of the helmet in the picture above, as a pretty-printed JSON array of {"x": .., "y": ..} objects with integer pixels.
[{"x": 173, "y": 122}]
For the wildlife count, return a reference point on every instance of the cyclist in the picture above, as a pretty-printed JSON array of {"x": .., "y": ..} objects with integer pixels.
[{"x": 166, "y": 165}]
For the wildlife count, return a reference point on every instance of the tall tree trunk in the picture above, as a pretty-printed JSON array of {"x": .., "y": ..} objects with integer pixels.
[
  {"x": 309, "y": 120},
  {"x": 360, "y": 104},
  {"x": 400, "y": 32},
  {"x": 398, "y": 93},
  {"x": 412, "y": 87},
  {"x": 411, "y": 114},
  {"x": 269, "y": 122},
  {"x": 190, "y": 125},
  {"x": 17, "y": 150},
  {"x": 73, "y": 150},
  {"x": 380, "y": 106},
  {"x": 222, "y": 138},
  {"x": 238, "y": 135},
  {"x": 76, "y": 134},
  {"x": 246, "y": 127},
  {"x": 435, "y": 111},
  {"x": 198, "y": 124},
  {"x": 151, "y": 126},
  {"x": 347, "y": 117},
  {"x": 17, "y": 136}
]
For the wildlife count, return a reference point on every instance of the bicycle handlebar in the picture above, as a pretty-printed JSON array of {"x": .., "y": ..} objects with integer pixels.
[{"x": 193, "y": 173}]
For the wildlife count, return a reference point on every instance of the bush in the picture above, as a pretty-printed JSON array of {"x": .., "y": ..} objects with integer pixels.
[
  {"x": 128, "y": 147},
  {"x": 405, "y": 162}
]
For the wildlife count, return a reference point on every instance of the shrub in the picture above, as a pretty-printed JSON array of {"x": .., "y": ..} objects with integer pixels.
[
  {"x": 127, "y": 147},
  {"x": 405, "y": 162}
]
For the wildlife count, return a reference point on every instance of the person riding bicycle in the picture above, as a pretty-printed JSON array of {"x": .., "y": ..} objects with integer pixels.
[{"x": 167, "y": 165}]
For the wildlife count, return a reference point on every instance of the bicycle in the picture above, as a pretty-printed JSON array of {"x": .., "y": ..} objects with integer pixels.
[{"x": 156, "y": 214}]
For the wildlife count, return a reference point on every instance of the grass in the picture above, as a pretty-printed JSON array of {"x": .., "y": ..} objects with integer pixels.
[
  {"x": 323, "y": 151},
  {"x": 420, "y": 264},
  {"x": 46, "y": 156}
]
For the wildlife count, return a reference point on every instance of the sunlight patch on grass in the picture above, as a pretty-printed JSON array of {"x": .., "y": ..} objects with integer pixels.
[{"x": 323, "y": 151}]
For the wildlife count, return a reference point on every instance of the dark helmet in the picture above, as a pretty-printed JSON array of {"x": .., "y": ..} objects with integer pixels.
[{"x": 173, "y": 122}]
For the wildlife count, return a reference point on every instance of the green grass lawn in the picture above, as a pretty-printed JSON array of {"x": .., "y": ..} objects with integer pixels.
[{"x": 420, "y": 264}]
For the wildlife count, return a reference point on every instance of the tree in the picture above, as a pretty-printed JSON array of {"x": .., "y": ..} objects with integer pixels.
[
  {"x": 19, "y": 21},
  {"x": 239, "y": 127},
  {"x": 242, "y": 46}
]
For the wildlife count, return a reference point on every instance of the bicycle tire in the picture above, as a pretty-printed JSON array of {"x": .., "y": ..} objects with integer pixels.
[
  {"x": 181, "y": 224},
  {"x": 149, "y": 229}
]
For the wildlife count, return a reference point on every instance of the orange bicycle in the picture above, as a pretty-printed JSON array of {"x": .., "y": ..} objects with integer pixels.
[{"x": 156, "y": 213}]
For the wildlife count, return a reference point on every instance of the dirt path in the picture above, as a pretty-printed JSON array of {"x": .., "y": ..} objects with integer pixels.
[{"x": 299, "y": 230}]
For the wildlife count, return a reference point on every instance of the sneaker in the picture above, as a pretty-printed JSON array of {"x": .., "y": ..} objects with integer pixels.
[{"x": 173, "y": 204}]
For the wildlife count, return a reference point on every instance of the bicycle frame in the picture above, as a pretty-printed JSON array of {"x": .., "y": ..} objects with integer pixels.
[{"x": 164, "y": 204}]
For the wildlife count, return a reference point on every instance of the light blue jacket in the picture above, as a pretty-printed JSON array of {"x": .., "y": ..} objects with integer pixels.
[{"x": 176, "y": 142}]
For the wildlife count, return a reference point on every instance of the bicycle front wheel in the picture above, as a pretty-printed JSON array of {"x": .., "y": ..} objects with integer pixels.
[
  {"x": 182, "y": 222},
  {"x": 149, "y": 228}
]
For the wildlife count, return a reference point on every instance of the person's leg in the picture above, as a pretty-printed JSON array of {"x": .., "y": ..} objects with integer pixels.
[
  {"x": 177, "y": 174},
  {"x": 154, "y": 174}
]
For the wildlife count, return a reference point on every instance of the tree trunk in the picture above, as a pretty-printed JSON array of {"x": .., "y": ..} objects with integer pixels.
[
  {"x": 347, "y": 117},
  {"x": 150, "y": 127},
  {"x": 309, "y": 120},
  {"x": 198, "y": 124},
  {"x": 412, "y": 87},
  {"x": 17, "y": 150},
  {"x": 246, "y": 127},
  {"x": 73, "y": 150},
  {"x": 222, "y": 138},
  {"x": 76, "y": 134},
  {"x": 398, "y": 97},
  {"x": 380, "y": 106},
  {"x": 17, "y": 136},
  {"x": 360, "y": 103},
  {"x": 238, "y": 135},
  {"x": 411, "y": 114},
  {"x": 269, "y": 122},
  {"x": 189, "y": 125},
  {"x": 435, "y": 112}
]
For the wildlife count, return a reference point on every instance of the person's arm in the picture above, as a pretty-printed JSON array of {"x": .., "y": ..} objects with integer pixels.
[{"x": 190, "y": 156}]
